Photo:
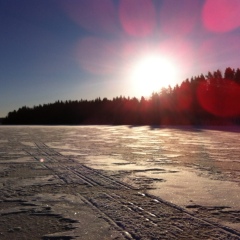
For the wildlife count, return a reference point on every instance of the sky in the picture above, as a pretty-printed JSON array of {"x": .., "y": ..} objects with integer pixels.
[{"x": 83, "y": 49}]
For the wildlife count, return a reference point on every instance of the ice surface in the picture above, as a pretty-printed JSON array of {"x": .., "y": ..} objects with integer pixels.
[{"x": 200, "y": 166}]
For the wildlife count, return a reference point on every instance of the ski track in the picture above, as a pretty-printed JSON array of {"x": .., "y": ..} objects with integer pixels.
[{"x": 136, "y": 214}]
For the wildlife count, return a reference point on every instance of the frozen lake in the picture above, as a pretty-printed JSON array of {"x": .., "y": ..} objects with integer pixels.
[{"x": 186, "y": 166}]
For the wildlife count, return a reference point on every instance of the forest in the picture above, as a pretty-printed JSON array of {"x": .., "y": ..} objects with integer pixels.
[{"x": 212, "y": 99}]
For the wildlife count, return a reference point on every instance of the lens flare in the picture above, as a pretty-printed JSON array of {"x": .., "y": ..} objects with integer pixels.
[
  {"x": 219, "y": 97},
  {"x": 221, "y": 15},
  {"x": 178, "y": 17},
  {"x": 180, "y": 50},
  {"x": 138, "y": 17}
]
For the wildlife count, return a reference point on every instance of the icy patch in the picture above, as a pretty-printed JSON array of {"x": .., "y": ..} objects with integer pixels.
[{"x": 185, "y": 186}]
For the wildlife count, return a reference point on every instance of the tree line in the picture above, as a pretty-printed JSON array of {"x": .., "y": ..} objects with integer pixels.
[{"x": 213, "y": 99}]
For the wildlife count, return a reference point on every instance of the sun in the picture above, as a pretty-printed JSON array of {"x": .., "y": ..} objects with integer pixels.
[{"x": 151, "y": 73}]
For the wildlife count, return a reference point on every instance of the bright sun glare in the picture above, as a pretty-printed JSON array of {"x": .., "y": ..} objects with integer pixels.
[{"x": 151, "y": 73}]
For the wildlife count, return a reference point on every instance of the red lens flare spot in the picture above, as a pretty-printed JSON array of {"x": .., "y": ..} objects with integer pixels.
[
  {"x": 178, "y": 17},
  {"x": 138, "y": 17},
  {"x": 221, "y": 15},
  {"x": 219, "y": 97},
  {"x": 97, "y": 56},
  {"x": 95, "y": 16}
]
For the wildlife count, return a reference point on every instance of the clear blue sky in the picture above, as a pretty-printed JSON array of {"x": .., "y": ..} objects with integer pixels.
[{"x": 67, "y": 50}]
